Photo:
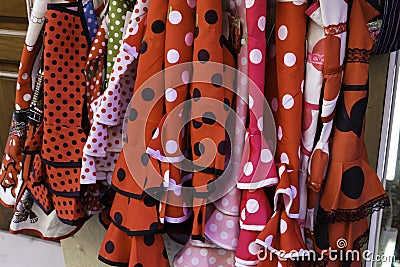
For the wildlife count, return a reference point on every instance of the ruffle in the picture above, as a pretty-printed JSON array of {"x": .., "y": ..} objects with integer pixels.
[
  {"x": 223, "y": 230},
  {"x": 119, "y": 249},
  {"x": 203, "y": 254},
  {"x": 258, "y": 167},
  {"x": 255, "y": 210},
  {"x": 248, "y": 251},
  {"x": 282, "y": 236},
  {"x": 348, "y": 198}
]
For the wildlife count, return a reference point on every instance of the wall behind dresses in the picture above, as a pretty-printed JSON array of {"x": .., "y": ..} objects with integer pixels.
[{"x": 13, "y": 25}]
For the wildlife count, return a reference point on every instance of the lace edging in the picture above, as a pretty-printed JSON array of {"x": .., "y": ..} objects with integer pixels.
[{"x": 353, "y": 215}]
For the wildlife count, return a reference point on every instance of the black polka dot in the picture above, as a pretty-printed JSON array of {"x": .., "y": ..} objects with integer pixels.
[
  {"x": 147, "y": 94},
  {"x": 203, "y": 55},
  {"x": 199, "y": 149},
  {"x": 221, "y": 148},
  {"x": 148, "y": 240},
  {"x": 149, "y": 201},
  {"x": 357, "y": 115},
  {"x": 145, "y": 159},
  {"x": 197, "y": 124},
  {"x": 138, "y": 265},
  {"x": 196, "y": 32},
  {"x": 208, "y": 118},
  {"x": 109, "y": 247},
  {"x": 118, "y": 217},
  {"x": 121, "y": 174},
  {"x": 158, "y": 26},
  {"x": 196, "y": 94},
  {"x": 353, "y": 182},
  {"x": 216, "y": 80},
  {"x": 227, "y": 104},
  {"x": 133, "y": 114},
  {"x": 143, "y": 49},
  {"x": 211, "y": 17},
  {"x": 154, "y": 226}
]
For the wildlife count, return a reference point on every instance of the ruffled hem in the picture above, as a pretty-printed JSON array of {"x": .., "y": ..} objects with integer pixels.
[{"x": 353, "y": 215}]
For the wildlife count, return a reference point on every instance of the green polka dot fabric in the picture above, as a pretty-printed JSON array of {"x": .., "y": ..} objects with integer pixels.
[{"x": 116, "y": 15}]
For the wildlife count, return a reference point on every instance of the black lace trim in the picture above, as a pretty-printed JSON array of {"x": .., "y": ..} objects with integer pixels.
[
  {"x": 353, "y": 215},
  {"x": 361, "y": 55},
  {"x": 361, "y": 240}
]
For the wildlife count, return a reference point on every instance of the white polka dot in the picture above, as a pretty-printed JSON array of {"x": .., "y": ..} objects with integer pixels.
[
  {"x": 279, "y": 264},
  {"x": 189, "y": 39},
  {"x": 252, "y": 205},
  {"x": 195, "y": 261},
  {"x": 284, "y": 158},
  {"x": 224, "y": 235},
  {"x": 274, "y": 104},
  {"x": 234, "y": 242},
  {"x": 171, "y": 94},
  {"x": 180, "y": 260},
  {"x": 244, "y": 80},
  {"x": 185, "y": 77},
  {"x": 203, "y": 252},
  {"x": 166, "y": 175},
  {"x": 191, "y": 3},
  {"x": 249, "y": 3},
  {"x": 248, "y": 168},
  {"x": 282, "y": 32},
  {"x": 297, "y": 3},
  {"x": 221, "y": 252},
  {"x": 24, "y": 76},
  {"x": 225, "y": 202},
  {"x": 212, "y": 260},
  {"x": 213, "y": 227},
  {"x": 281, "y": 170},
  {"x": 235, "y": 208},
  {"x": 119, "y": 10},
  {"x": 229, "y": 261},
  {"x": 253, "y": 248},
  {"x": 283, "y": 226},
  {"x": 243, "y": 215},
  {"x": 266, "y": 155},
  {"x": 294, "y": 191},
  {"x": 17, "y": 107},
  {"x": 243, "y": 61},
  {"x": 302, "y": 86},
  {"x": 188, "y": 251},
  {"x": 18, "y": 86},
  {"x": 287, "y": 101},
  {"x": 280, "y": 133},
  {"x": 230, "y": 224},
  {"x": 27, "y": 97},
  {"x": 219, "y": 216},
  {"x": 238, "y": 2},
  {"x": 255, "y": 56},
  {"x": 156, "y": 133},
  {"x": 171, "y": 146},
  {"x": 260, "y": 124},
  {"x": 261, "y": 23},
  {"x": 172, "y": 56},
  {"x": 268, "y": 240},
  {"x": 251, "y": 101},
  {"x": 289, "y": 59},
  {"x": 175, "y": 17}
]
